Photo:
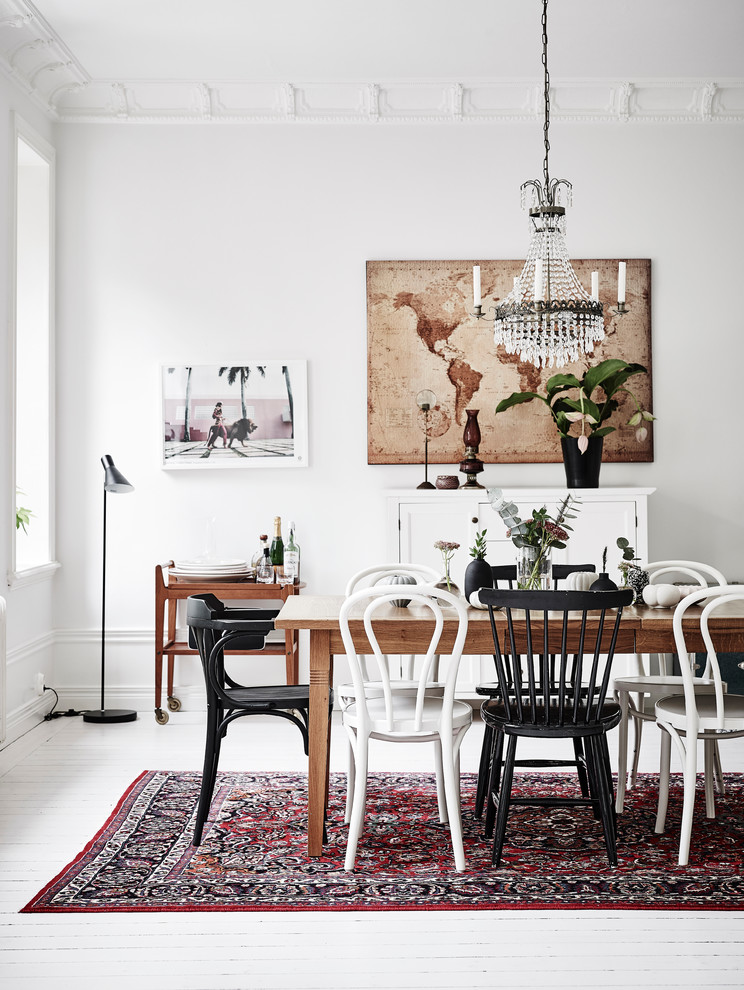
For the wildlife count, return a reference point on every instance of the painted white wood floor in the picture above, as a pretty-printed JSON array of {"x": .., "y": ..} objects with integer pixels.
[{"x": 60, "y": 782}]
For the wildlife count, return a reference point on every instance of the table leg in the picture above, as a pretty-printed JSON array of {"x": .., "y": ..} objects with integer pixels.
[{"x": 320, "y": 677}]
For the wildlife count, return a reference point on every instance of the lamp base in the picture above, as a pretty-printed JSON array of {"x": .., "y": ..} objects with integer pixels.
[{"x": 111, "y": 715}]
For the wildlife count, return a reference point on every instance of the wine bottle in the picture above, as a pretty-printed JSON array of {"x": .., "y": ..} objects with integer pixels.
[
  {"x": 292, "y": 558},
  {"x": 277, "y": 544},
  {"x": 265, "y": 569}
]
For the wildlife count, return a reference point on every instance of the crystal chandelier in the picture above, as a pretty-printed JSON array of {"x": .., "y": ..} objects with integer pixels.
[{"x": 548, "y": 318}]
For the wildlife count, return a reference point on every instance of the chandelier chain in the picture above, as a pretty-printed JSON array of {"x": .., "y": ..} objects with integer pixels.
[{"x": 546, "y": 94}]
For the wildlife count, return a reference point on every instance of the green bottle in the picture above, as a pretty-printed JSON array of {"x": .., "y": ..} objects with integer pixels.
[{"x": 277, "y": 544}]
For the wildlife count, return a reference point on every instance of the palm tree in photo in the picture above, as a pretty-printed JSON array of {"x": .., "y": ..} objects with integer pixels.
[
  {"x": 186, "y": 416},
  {"x": 290, "y": 397},
  {"x": 233, "y": 374}
]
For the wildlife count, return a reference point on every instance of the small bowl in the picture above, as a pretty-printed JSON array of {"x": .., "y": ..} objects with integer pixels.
[{"x": 447, "y": 481}]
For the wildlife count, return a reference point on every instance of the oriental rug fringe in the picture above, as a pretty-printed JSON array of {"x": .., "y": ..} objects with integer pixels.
[{"x": 254, "y": 854}]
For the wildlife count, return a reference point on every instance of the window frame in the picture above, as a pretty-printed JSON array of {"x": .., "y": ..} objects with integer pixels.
[{"x": 22, "y": 131}]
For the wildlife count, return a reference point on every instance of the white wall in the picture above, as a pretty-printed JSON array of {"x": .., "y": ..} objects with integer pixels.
[{"x": 218, "y": 244}]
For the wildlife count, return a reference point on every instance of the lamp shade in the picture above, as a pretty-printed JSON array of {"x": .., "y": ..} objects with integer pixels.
[{"x": 114, "y": 480}]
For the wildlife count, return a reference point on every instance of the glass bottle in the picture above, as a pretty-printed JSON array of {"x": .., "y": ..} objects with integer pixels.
[
  {"x": 265, "y": 569},
  {"x": 292, "y": 558},
  {"x": 277, "y": 544},
  {"x": 258, "y": 555}
]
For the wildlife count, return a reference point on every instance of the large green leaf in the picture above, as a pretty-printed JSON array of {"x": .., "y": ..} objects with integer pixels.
[{"x": 517, "y": 398}]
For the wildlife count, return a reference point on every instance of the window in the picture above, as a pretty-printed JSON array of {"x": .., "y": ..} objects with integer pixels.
[{"x": 32, "y": 343}]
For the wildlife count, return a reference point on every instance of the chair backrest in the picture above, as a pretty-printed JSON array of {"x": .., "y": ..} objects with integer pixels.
[
  {"x": 425, "y": 607},
  {"x": 557, "y": 675},
  {"x": 381, "y": 573},
  {"x": 508, "y": 573},
  {"x": 661, "y": 570},
  {"x": 715, "y": 598},
  {"x": 216, "y": 627}
]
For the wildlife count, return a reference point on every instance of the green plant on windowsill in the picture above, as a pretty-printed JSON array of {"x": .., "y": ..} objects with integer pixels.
[{"x": 23, "y": 515}]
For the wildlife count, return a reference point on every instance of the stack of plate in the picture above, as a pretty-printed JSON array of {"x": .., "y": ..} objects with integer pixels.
[{"x": 212, "y": 569}]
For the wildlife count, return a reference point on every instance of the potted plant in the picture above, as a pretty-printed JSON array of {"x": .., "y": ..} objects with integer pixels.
[
  {"x": 535, "y": 538},
  {"x": 633, "y": 576},
  {"x": 478, "y": 573},
  {"x": 571, "y": 400}
]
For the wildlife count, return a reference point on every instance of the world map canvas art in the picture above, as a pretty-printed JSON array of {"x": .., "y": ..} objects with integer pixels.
[{"x": 421, "y": 335}]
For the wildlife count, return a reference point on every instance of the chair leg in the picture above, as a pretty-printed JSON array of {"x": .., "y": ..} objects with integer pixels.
[
  {"x": 441, "y": 796},
  {"x": 637, "y": 738},
  {"x": 494, "y": 777},
  {"x": 361, "y": 756},
  {"x": 580, "y": 758},
  {"x": 665, "y": 757},
  {"x": 450, "y": 761},
  {"x": 688, "y": 804},
  {"x": 595, "y": 756},
  {"x": 718, "y": 770},
  {"x": 710, "y": 801},
  {"x": 350, "y": 778},
  {"x": 484, "y": 767},
  {"x": 622, "y": 751},
  {"x": 504, "y": 799},
  {"x": 209, "y": 771}
]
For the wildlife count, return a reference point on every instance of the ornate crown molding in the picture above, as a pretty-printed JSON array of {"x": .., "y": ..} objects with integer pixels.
[
  {"x": 41, "y": 65},
  {"x": 35, "y": 59}
]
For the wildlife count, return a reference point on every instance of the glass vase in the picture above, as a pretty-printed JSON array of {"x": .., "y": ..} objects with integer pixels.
[{"x": 534, "y": 569}]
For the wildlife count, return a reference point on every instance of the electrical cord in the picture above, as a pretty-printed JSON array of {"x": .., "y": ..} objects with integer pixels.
[{"x": 52, "y": 714}]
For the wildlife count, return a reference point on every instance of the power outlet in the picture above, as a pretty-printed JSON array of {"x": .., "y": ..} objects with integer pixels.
[{"x": 39, "y": 684}]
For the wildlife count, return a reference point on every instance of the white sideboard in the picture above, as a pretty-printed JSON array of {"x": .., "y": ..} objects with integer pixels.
[{"x": 416, "y": 519}]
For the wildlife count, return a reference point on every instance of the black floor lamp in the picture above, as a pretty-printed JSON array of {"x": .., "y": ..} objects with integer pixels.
[{"x": 114, "y": 481}]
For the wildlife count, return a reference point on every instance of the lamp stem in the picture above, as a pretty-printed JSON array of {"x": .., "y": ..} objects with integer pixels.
[{"x": 103, "y": 608}]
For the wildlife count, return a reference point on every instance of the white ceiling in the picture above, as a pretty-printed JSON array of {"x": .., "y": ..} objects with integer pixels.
[
  {"x": 290, "y": 40},
  {"x": 378, "y": 60}
]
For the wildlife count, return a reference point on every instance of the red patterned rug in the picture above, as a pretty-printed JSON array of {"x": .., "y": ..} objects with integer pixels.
[{"x": 253, "y": 857}]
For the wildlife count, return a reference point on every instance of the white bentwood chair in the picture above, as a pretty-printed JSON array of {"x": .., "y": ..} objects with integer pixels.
[
  {"x": 367, "y": 578},
  {"x": 691, "y": 716},
  {"x": 380, "y": 712},
  {"x": 638, "y": 693}
]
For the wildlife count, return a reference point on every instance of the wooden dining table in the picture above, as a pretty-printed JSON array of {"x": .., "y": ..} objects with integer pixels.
[{"x": 408, "y": 630}]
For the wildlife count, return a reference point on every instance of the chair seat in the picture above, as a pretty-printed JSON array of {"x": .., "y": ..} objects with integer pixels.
[
  {"x": 494, "y": 713},
  {"x": 373, "y": 688},
  {"x": 673, "y": 710},
  {"x": 462, "y": 715},
  {"x": 283, "y": 696},
  {"x": 643, "y": 684}
]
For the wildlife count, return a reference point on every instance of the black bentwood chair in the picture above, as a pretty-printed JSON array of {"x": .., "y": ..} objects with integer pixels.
[
  {"x": 507, "y": 574},
  {"x": 217, "y": 628},
  {"x": 564, "y": 699}
]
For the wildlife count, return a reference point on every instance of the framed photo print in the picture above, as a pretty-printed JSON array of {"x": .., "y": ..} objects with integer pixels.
[{"x": 235, "y": 416}]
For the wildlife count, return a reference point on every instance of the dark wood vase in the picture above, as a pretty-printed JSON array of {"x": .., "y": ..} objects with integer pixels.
[{"x": 582, "y": 470}]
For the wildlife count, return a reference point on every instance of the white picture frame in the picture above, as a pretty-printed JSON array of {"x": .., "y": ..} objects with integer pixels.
[{"x": 234, "y": 417}]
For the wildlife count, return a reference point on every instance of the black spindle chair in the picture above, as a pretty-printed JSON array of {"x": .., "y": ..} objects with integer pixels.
[
  {"x": 507, "y": 575},
  {"x": 568, "y": 701},
  {"x": 215, "y": 628}
]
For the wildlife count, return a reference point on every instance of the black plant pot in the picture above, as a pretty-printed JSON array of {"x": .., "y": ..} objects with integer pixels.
[
  {"x": 582, "y": 470},
  {"x": 478, "y": 574},
  {"x": 603, "y": 583}
]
